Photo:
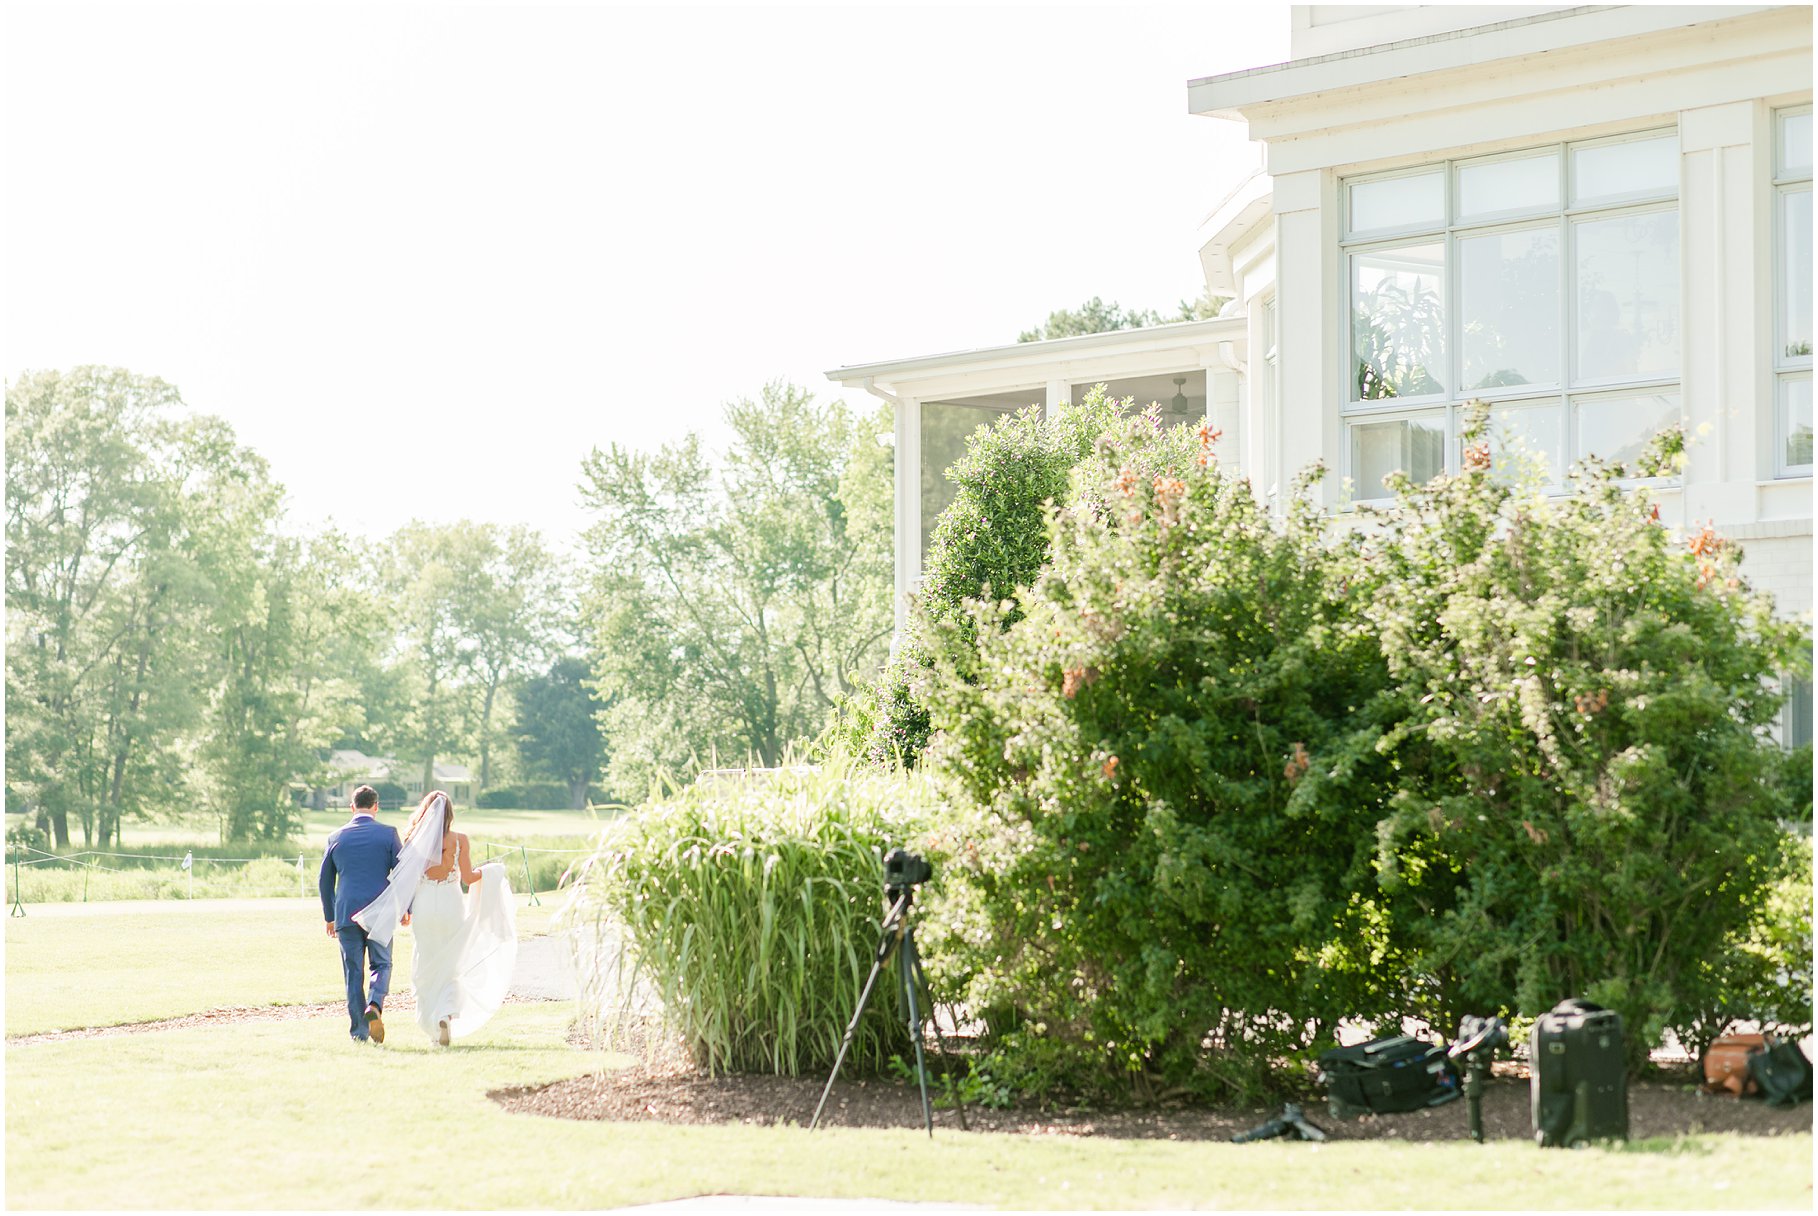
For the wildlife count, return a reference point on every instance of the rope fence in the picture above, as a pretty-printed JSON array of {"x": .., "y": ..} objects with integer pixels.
[{"x": 21, "y": 856}]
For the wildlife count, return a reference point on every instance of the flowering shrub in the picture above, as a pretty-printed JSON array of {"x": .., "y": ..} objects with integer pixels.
[
  {"x": 1587, "y": 802},
  {"x": 1223, "y": 780},
  {"x": 992, "y": 539},
  {"x": 1170, "y": 756}
]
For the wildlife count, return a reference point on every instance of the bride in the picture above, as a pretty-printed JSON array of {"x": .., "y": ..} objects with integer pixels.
[{"x": 465, "y": 947}]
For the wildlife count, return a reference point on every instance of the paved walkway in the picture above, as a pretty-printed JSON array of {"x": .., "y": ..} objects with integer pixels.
[{"x": 789, "y": 1203}]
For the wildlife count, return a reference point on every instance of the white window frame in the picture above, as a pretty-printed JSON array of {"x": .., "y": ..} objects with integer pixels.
[
  {"x": 1788, "y": 369},
  {"x": 1564, "y": 219}
]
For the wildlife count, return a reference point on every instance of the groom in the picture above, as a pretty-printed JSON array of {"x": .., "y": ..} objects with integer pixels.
[{"x": 358, "y": 859}]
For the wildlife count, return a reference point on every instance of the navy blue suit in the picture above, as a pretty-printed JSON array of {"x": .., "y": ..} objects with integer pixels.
[{"x": 355, "y": 866}]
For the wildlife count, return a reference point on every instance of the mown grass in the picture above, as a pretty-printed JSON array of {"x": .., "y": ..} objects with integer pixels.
[
  {"x": 197, "y": 831},
  {"x": 109, "y": 964},
  {"x": 267, "y": 869},
  {"x": 124, "y": 1122},
  {"x": 135, "y": 1121}
]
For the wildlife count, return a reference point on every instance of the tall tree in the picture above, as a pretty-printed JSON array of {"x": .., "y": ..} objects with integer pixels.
[
  {"x": 1097, "y": 317},
  {"x": 298, "y": 630},
  {"x": 558, "y": 732},
  {"x": 118, "y": 505},
  {"x": 504, "y": 600},
  {"x": 732, "y": 606},
  {"x": 427, "y": 566}
]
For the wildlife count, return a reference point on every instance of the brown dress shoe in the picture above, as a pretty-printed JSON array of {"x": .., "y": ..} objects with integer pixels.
[
  {"x": 375, "y": 1025},
  {"x": 442, "y": 1032}
]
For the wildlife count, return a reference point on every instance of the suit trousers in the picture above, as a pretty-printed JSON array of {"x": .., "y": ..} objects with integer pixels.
[{"x": 356, "y": 951}]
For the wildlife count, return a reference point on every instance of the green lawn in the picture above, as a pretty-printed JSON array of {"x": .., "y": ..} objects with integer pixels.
[
  {"x": 70, "y": 965},
  {"x": 317, "y": 825},
  {"x": 290, "y": 1114}
]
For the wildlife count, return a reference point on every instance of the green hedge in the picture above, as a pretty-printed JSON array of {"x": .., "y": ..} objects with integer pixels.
[{"x": 1224, "y": 780}]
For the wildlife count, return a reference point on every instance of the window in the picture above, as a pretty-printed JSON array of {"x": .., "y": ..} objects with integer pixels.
[
  {"x": 1544, "y": 281},
  {"x": 946, "y": 428},
  {"x": 1796, "y": 715},
  {"x": 1793, "y": 293}
]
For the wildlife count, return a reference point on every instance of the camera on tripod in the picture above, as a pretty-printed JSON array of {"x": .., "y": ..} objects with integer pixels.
[{"x": 903, "y": 869}]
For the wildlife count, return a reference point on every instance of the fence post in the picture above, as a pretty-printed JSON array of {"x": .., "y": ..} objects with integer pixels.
[
  {"x": 87, "y": 869},
  {"x": 18, "y": 907},
  {"x": 302, "y": 890},
  {"x": 528, "y": 882},
  {"x": 189, "y": 869}
]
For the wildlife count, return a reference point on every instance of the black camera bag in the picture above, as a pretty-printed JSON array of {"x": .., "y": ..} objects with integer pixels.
[
  {"x": 1782, "y": 1073},
  {"x": 1578, "y": 1076},
  {"x": 1387, "y": 1076}
]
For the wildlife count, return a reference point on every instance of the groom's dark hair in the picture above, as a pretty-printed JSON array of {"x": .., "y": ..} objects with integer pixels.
[{"x": 366, "y": 798}]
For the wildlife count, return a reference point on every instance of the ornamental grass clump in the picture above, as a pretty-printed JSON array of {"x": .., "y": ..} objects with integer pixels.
[{"x": 741, "y": 914}]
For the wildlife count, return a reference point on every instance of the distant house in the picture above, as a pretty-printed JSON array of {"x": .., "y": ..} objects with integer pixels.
[{"x": 353, "y": 769}]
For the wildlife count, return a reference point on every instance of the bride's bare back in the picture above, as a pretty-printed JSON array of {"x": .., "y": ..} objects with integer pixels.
[{"x": 455, "y": 854}]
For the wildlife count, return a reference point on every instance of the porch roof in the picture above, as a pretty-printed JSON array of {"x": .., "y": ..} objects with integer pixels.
[{"x": 1077, "y": 358}]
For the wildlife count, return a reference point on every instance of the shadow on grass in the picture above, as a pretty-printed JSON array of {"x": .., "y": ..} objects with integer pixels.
[{"x": 1675, "y": 1146}]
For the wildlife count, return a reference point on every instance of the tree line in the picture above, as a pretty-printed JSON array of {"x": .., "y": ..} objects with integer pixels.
[{"x": 174, "y": 646}]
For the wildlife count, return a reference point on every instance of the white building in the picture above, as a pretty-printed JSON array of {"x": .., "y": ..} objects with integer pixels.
[
  {"x": 352, "y": 769},
  {"x": 1598, "y": 219}
]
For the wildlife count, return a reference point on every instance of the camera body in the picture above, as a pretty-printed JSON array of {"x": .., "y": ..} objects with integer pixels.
[{"x": 903, "y": 869}]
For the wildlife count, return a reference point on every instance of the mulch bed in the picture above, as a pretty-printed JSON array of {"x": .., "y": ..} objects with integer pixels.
[{"x": 665, "y": 1093}]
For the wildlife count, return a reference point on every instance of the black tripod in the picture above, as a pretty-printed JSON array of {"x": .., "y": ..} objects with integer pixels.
[
  {"x": 898, "y": 937},
  {"x": 1478, "y": 1039}
]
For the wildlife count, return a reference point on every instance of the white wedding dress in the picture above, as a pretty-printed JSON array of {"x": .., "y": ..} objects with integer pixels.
[{"x": 467, "y": 947}]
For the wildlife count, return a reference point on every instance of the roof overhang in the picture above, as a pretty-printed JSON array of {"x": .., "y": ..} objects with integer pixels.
[
  {"x": 1231, "y": 225},
  {"x": 1231, "y": 94},
  {"x": 1123, "y": 352}
]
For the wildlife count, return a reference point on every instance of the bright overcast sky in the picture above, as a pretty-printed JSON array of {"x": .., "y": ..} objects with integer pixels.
[{"x": 458, "y": 246}]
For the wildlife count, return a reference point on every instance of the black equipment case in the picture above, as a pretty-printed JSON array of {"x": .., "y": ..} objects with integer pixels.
[
  {"x": 1580, "y": 1085},
  {"x": 1386, "y": 1076}
]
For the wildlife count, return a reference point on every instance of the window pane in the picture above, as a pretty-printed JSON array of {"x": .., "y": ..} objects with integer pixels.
[
  {"x": 1416, "y": 446},
  {"x": 1798, "y": 714},
  {"x": 1395, "y": 203},
  {"x": 1796, "y": 145},
  {"x": 1508, "y": 187},
  {"x": 1796, "y": 422},
  {"x": 1525, "y": 443},
  {"x": 1398, "y": 322},
  {"x": 1626, "y": 286},
  {"x": 945, "y": 430},
  {"x": 1638, "y": 168},
  {"x": 1796, "y": 274},
  {"x": 1508, "y": 304},
  {"x": 1618, "y": 430}
]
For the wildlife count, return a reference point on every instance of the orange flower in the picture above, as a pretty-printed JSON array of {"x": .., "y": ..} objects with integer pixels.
[
  {"x": 1477, "y": 457},
  {"x": 1071, "y": 681},
  {"x": 1126, "y": 482},
  {"x": 1111, "y": 768},
  {"x": 1297, "y": 765},
  {"x": 1209, "y": 434}
]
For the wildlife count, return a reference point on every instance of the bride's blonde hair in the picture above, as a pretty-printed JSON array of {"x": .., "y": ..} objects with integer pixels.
[{"x": 421, "y": 814}]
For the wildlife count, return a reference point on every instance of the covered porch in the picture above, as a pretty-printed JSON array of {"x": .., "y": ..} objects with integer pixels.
[{"x": 1193, "y": 370}]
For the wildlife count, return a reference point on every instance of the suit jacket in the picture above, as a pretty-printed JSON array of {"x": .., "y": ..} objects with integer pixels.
[{"x": 358, "y": 860}]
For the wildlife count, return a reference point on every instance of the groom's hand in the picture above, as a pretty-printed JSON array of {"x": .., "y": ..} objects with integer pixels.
[
  {"x": 331, "y": 928},
  {"x": 406, "y": 921}
]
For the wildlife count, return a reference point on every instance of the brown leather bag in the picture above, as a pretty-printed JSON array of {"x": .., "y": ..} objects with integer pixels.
[{"x": 1726, "y": 1064}]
